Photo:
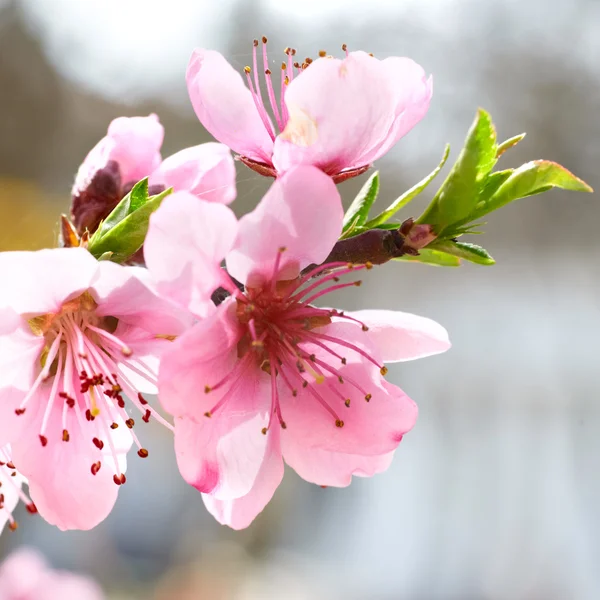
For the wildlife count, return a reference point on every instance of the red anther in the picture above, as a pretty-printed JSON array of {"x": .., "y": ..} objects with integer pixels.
[
  {"x": 146, "y": 416},
  {"x": 70, "y": 402},
  {"x": 142, "y": 400},
  {"x": 114, "y": 425},
  {"x": 65, "y": 436},
  {"x": 98, "y": 443},
  {"x": 120, "y": 402},
  {"x": 19, "y": 411},
  {"x": 10, "y": 465},
  {"x": 130, "y": 423},
  {"x": 43, "y": 439},
  {"x": 143, "y": 453},
  {"x": 339, "y": 423},
  {"x": 123, "y": 478},
  {"x": 31, "y": 508},
  {"x": 96, "y": 467},
  {"x": 88, "y": 415},
  {"x": 117, "y": 479}
]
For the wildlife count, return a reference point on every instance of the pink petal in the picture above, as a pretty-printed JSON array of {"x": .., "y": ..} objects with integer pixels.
[
  {"x": 339, "y": 110},
  {"x": 207, "y": 171},
  {"x": 132, "y": 142},
  {"x": 225, "y": 106},
  {"x": 11, "y": 481},
  {"x": 333, "y": 468},
  {"x": 239, "y": 513},
  {"x": 13, "y": 426},
  {"x": 60, "y": 480},
  {"x": 40, "y": 282},
  {"x": 302, "y": 212},
  {"x": 128, "y": 294},
  {"x": 402, "y": 336},
  {"x": 136, "y": 146},
  {"x": 222, "y": 455},
  {"x": 186, "y": 242},
  {"x": 412, "y": 90}
]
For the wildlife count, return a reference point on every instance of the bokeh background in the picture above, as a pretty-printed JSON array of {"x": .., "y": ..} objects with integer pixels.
[{"x": 495, "y": 495}]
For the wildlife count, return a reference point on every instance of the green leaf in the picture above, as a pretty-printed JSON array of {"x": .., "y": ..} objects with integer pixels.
[
  {"x": 428, "y": 256},
  {"x": 127, "y": 233},
  {"x": 459, "y": 194},
  {"x": 462, "y": 250},
  {"x": 359, "y": 209},
  {"x": 409, "y": 195},
  {"x": 532, "y": 178},
  {"x": 509, "y": 143}
]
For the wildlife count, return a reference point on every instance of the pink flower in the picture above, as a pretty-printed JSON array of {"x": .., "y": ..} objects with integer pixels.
[
  {"x": 268, "y": 375},
  {"x": 11, "y": 482},
  {"x": 131, "y": 151},
  {"x": 25, "y": 575},
  {"x": 76, "y": 336},
  {"x": 339, "y": 115}
]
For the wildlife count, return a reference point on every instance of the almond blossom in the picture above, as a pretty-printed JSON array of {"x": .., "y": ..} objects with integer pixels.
[
  {"x": 340, "y": 115},
  {"x": 267, "y": 375},
  {"x": 77, "y": 336},
  {"x": 130, "y": 152},
  {"x": 25, "y": 575}
]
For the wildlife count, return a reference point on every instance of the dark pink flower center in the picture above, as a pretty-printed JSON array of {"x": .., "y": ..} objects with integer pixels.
[
  {"x": 281, "y": 326},
  {"x": 78, "y": 374}
]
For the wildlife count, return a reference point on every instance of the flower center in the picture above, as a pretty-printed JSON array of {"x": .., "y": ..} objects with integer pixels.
[
  {"x": 78, "y": 377},
  {"x": 282, "y": 330}
]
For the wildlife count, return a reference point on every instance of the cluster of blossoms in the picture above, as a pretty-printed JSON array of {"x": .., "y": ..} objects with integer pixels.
[{"x": 253, "y": 370}]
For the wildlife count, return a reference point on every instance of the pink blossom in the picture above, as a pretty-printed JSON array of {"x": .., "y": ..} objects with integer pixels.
[
  {"x": 340, "y": 115},
  {"x": 76, "y": 336},
  {"x": 131, "y": 151},
  {"x": 25, "y": 575},
  {"x": 268, "y": 376},
  {"x": 11, "y": 482}
]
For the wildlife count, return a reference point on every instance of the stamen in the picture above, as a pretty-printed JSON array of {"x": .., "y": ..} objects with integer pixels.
[
  {"x": 270, "y": 90},
  {"x": 345, "y": 49}
]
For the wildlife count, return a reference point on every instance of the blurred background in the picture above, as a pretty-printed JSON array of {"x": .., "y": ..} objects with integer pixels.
[{"x": 495, "y": 495}]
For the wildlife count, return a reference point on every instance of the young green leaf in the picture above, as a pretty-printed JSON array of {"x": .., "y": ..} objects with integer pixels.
[
  {"x": 432, "y": 257},
  {"x": 531, "y": 178},
  {"x": 509, "y": 143},
  {"x": 462, "y": 250},
  {"x": 459, "y": 194},
  {"x": 359, "y": 209},
  {"x": 127, "y": 236},
  {"x": 409, "y": 195}
]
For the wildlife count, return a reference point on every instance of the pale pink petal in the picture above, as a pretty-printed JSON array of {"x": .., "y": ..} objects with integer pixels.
[
  {"x": 207, "y": 171},
  {"x": 402, "y": 336},
  {"x": 132, "y": 142},
  {"x": 186, "y": 242},
  {"x": 11, "y": 482},
  {"x": 239, "y": 513},
  {"x": 137, "y": 142},
  {"x": 412, "y": 90},
  {"x": 339, "y": 110},
  {"x": 223, "y": 454},
  {"x": 61, "y": 483},
  {"x": 128, "y": 294},
  {"x": 302, "y": 212},
  {"x": 225, "y": 106},
  {"x": 20, "y": 350},
  {"x": 13, "y": 426},
  {"x": 335, "y": 469},
  {"x": 200, "y": 357},
  {"x": 41, "y": 281}
]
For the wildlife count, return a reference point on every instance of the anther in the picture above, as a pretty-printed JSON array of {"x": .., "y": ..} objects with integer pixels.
[
  {"x": 358, "y": 283},
  {"x": 365, "y": 328},
  {"x": 247, "y": 70},
  {"x": 264, "y": 431},
  {"x": 146, "y": 417},
  {"x": 264, "y": 39},
  {"x": 98, "y": 443},
  {"x": 344, "y": 47},
  {"x": 13, "y": 525},
  {"x": 283, "y": 425},
  {"x": 117, "y": 479},
  {"x": 383, "y": 371},
  {"x": 267, "y": 71},
  {"x": 347, "y": 402},
  {"x": 283, "y": 66},
  {"x": 305, "y": 384},
  {"x": 142, "y": 399},
  {"x": 255, "y": 42},
  {"x": 322, "y": 53},
  {"x": 10, "y": 465},
  {"x": 125, "y": 351},
  {"x": 207, "y": 389},
  {"x": 96, "y": 467},
  {"x": 43, "y": 440},
  {"x": 65, "y": 436},
  {"x": 19, "y": 411},
  {"x": 368, "y": 397},
  {"x": 340, "y": 379},
  {"x": 130, "y": 423},
  {"x": 31, "y": 508},
  {"x": 339, "y": 423},
  {"x": 208, "y": 414},
  {"x": 114, "y": 425},
  {"x": 143, "y": 453},
  {"x": 294, "y": 393},
  {"x": 368, "y": 265},
  {"x": 344, "y": 361}
]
